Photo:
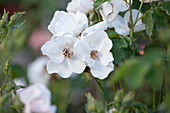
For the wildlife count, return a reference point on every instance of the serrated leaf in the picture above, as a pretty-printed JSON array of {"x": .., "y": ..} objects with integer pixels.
[
  {"x": 148, "y": 20},
  {"x": 165, "y": 6}
]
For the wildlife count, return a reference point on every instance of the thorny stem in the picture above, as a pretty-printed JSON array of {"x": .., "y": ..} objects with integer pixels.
[
  {"x": 131, "y": 19},
  {"x": 136, "y": 20},
  {"x": 101, "y": 87}
]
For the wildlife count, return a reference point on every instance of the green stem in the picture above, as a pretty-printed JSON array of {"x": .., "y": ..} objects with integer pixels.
[
  {"x": 131, "y": 19},
  {"x": 136, "y": 20},
  {"x": 154, "y": 99},
  {"x": 162, "y": 91},
  {"x": 4, "y": 84},
  {"x": 101, "y": 87},
  {"x": 4, "y": 87},
  {"x": 114, "y": 88},
  {"x": 120, "y": 83},
  {"x": 2, "y": 37},
  {"x": 125, "y": 84}
]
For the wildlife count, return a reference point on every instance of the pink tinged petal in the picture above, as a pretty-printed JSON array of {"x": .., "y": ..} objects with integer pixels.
[
  {"x": 56, "y": 17},
  {"x": 94, "y": 39},
  {"x": 100, "y": 71},
  {"x": 26, "y": 96},
  {"x": 106, "y": 56},
  {"x": 40, "y": 106},
  {"x": 82, "y": 49},
  {"x": 76, "y": 65},
  {"x": 45, "y": 92},
  {"x": 27, "y": 108}
]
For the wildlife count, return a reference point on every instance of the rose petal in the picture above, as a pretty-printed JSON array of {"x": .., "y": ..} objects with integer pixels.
[{"x": 100, "y": 71}]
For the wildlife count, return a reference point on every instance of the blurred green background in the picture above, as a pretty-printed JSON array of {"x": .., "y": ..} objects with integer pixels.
[{"x": 69, "y": 94}]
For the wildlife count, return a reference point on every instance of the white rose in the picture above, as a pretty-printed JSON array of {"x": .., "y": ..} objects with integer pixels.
[
  {"x": 37, "y": 98},
  {"x": 80, "y": 5},
  {"x": 121, "y": 24},
  {"x": 68, "y": 23}
]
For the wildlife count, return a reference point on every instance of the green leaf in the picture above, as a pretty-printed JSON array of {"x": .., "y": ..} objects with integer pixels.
[
  {"x": 161, "y": 18},
  {"x": 148, "y": 20},
  {"x": 136, "y": 74},
  {"x": 16, "y": 26},
  {"x": 112, "y": 34},
  {"x": 117, "y": 51},
  {"x": 122, "y": 70},
  {"x": 165, "y": 6},
  {"x": 154, "y": 76},
  {"x": 97, "y": 3}
]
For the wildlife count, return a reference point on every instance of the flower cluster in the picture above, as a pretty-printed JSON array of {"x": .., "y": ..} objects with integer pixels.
[{"x": 76, "y": 44}]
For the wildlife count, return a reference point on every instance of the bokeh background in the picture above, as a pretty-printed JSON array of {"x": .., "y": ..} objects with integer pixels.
[{"x": 24, "y": 46}]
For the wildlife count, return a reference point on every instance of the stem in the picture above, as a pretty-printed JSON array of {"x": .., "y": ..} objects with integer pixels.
[
  {"x": 125, "y": 84},
  {"x": 101, "y": 87},
  {"x": 4, "y": 84},
  {"x": 162, "y": 91},
  {"x": 120, "y": 83},
  {"x": 131, "y": 19},
  {"x": 136, "y": 20},
  {"x": 154, "y": 99},
  {"x": 2, "y": 39},
  {"x": 114, "y": 88},
  {"x": 5, "y": 87}
]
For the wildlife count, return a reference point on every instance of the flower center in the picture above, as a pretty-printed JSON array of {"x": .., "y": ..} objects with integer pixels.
[
  {"x": 94, "y": 54},
  {"x": 67, "y": 53}
]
